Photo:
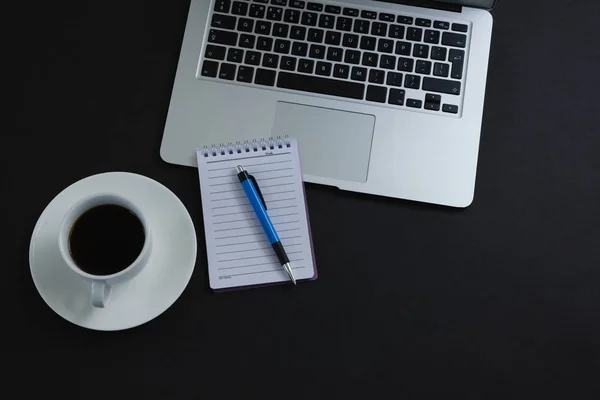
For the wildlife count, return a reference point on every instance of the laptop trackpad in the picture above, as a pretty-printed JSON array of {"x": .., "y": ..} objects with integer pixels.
[{"x": 334, "y": 144}]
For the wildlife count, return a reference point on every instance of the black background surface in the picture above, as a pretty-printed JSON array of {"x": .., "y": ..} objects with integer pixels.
[{"x": 502, "y": 297}]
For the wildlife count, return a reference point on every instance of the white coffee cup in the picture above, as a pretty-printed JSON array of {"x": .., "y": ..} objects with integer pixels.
[{"x": 101, "y": 284}]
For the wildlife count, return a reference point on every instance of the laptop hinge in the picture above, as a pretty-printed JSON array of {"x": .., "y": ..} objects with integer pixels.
[{"x": 436, "y": 5}]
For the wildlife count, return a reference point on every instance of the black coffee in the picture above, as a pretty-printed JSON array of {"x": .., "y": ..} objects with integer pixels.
[{"x": 106, "y": 239}]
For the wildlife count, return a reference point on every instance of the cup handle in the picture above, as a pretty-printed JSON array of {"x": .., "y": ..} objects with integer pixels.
[{"x": 100, "y": 294}]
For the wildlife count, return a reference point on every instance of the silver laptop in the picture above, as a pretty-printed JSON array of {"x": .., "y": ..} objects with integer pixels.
[{"x": 384, "y": 97}]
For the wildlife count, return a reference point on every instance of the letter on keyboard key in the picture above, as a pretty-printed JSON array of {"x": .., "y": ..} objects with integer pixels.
[
  {"x": 223, "y": 21},
  {"x": 222, "y": 37},
  {"x": 441, "y": 86},
  {"x": 377, "y": 93},
  {"x": 313, "y": 84},
  {"x": 265, "y": 77}
]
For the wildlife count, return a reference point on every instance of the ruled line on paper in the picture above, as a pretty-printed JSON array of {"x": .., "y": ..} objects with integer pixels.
[
  {"x": 253, "y": 165},
  {"x": 260, "y": 264}
]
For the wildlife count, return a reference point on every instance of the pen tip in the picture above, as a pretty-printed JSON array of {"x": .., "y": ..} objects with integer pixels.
[{"x": 239, "y": 169}]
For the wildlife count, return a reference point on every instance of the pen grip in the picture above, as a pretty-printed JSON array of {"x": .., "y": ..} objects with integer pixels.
[{"x": 260, "y": 211}]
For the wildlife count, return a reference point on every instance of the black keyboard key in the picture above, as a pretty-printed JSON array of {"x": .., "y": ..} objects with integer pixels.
[
  {"x": 275, "y": 13},
  {"x": 450, "y": 108},
  {"x": 454, "y": 39},
  {"x": 423, "y": 22},
  {"x": 245, "y": 25},
  {"x": 298, "y": 33},
  {"x": 297, "y": 4},
  {"x": 432, "y": 102},
  {"x": 313, "y": 84},
  {"x": 222, "y": 37},
  {"x": 359, "y": 74},
  {"x": 385, "y": 46},
  {"x": 414, "y": 103},
  {"x": 402, "y": 19},
  {"x": 376, "y": 76},
  {"x": 396, "y": 97},
  {"x": 281, "y": 3},
  {"x": 460, "y": 27},
  {"x": 387, "y": 62},
  {"x": 377, "y": 93},
  {"x": 335, "y": 54},
  {"x": 323, "y": 68},
  {"x": 403, "y": 48},
  {"x": 423, "y": 67},
  {"x": 368, "y": 43},
  {"x": 333, "y": 9},
  {"x": 352, "y": 12},
  {"x": 300, "y": 49},
  {"x": 222, "y": 6},
  {"x": 387, "y": 17},
  {"x": 350, "y": 40},
  {"x": 309, "y": 18},
  {"x": 457, "y": 58},
  {"x": 280, "y": 30},
  {"x": 341, "y": 71},
  {"x": 432, "y": 36},
  {"x": 245, "y": 74},
  {"x": 412, "y": 81},
  {"x": 261, "y": 1},
  {"x": 441, "y": 86},
  {"x": 379, "y": 29},
  {"x": 315, "y": 7},
  {"x": 405, "y": 64},
  {"x": 264, "y": 43},
  {"x": 361, "y": 26},
  {"x": 288, "y": 63},
  {"x": 235, "y": 55},
  {"x": 368, "y": 14},
  {"x": 223, "y": 21},
  {"x": 441, "y": 25},
  {"x": 333, "y": 38},
  {"x": 352, "y": 57},
  {"x": 440, "y": 69},
  {"x": 394, "y": 79},
  {"x": 344, "y": 24},
  {"x": 252, "y": 58},
  {"x": 239, "y": 8},
  {"x": 282, "y": 46},
  {"x": 227, "y": 71},
  {"x": 257, "y": 10},
  {"x": 265, "y": 77},
  {"x": 326, "y": 21},
  {"x": 270, "y": 60},
  {"x": 214, "y": 52},
  {"x": 315, "y": 35},
  {"x": 370, "y": 59},
  {"x": 306, "y": 66},
  {"x": 210, "y": 68},
  {"x": 396, "y": 32},
  {"x": 263, "y": 28},
  {"x": 438, "y": 53},
  {"x": 421, "y": 51},
  {"x": 291, "y": 16},
  {"x": 316, "y": 51},
  {"x": 414, "y": 34}
]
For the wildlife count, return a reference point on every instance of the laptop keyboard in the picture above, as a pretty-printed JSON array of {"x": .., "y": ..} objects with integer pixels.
[{"x": 400, "y": 61}]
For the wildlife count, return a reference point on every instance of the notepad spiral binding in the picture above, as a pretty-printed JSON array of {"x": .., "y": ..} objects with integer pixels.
[{"x": 246, "y": 146}]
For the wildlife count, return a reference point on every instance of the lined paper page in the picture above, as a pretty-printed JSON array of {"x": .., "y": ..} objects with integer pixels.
[{"x": 239, "y": 253}]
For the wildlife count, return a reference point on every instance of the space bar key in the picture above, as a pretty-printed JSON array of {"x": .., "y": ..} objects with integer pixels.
[{"x": 313, "y": 84}]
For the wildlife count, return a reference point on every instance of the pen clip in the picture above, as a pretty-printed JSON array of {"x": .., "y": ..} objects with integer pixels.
[{"x": 253, "y": 179}]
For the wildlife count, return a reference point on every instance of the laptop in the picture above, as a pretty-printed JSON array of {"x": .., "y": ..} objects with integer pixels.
[{"x": 384, "y": 97}]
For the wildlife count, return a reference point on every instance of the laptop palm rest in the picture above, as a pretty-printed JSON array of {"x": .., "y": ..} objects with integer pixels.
[{"x": 334, "y": 144}]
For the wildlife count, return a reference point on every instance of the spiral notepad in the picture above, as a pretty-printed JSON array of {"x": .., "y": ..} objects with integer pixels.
[{"x": 238, "y": 251}]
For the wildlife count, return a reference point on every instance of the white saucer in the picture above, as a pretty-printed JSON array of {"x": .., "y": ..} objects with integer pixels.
[{"x": 132, "y": 303}]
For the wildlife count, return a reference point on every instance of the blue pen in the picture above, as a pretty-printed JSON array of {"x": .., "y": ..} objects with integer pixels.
[{"x": 260, "y": 208}]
